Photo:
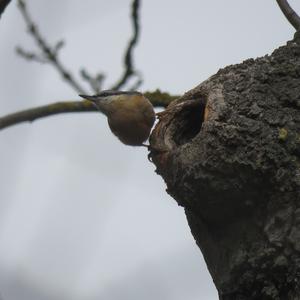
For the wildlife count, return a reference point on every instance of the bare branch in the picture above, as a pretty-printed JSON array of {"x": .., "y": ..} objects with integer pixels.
[
  {"x": 32, "y": 114},
  {"x": 128, "y": 62},
  {"x": 289, "y": 13},
  {"x": 49, "y": 54},
  {"x": 3, "y": 4},
  {"x": 157, "y": 98}
]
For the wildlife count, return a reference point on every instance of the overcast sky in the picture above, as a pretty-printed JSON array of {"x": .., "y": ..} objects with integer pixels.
[{"x": 81, "y": 215}]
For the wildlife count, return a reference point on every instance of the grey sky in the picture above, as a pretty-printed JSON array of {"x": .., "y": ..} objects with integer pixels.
[{"x": 81, "y": 215}]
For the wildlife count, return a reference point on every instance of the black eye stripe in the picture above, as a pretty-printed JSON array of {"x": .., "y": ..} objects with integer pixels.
[{"x": 116, "y": 93}]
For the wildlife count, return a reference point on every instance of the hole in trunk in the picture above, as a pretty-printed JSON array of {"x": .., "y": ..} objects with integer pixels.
[{"x": 189, "y": 122}]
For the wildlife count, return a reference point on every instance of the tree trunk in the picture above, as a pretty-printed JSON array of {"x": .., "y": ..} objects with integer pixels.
[{"x": 229, "y": 152}]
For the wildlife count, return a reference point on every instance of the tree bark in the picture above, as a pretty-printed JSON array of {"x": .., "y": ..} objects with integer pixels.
[{"x": 229, "y": 152}]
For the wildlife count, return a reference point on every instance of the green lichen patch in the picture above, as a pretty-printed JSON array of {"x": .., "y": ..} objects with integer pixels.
[{"x": 282, "y": 134}]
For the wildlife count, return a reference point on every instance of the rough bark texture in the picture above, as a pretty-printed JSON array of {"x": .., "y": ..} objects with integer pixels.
[{"x": 229, "y": 152}]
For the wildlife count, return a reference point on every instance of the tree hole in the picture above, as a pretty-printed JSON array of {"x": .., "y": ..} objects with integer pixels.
[{"x": 189, "y": 121}]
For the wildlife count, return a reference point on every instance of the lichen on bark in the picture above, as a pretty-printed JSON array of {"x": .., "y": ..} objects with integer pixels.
[{"x": 229, "y": 152}]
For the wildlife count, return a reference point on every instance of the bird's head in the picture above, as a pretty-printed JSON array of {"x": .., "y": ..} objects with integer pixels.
[{"x": 107, "y": 101}]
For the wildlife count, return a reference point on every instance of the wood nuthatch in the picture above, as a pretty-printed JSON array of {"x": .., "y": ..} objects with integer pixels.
[{"x": 130, "y": 115}]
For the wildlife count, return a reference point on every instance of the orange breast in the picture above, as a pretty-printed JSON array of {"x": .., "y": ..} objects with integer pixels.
[{"x": 130, "y": 128}]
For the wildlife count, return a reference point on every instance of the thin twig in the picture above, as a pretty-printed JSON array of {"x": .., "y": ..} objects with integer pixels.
[
  {"x": 31, "y": 56},
  {"x": 95, "y": 82},
  {"x": 128, "y": 61},
  {"x": 157, "y": 98},
  {"x": 289, "y": 13},
  {"x": 48, "y": 53},
  {"x": 3, "y": 4}
]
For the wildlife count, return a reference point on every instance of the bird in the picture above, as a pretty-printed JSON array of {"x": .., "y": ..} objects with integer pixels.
[{"x": 130, "y": 114}]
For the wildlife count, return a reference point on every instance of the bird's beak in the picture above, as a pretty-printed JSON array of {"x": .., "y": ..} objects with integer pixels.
[{"x": 90, "y": 98}]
